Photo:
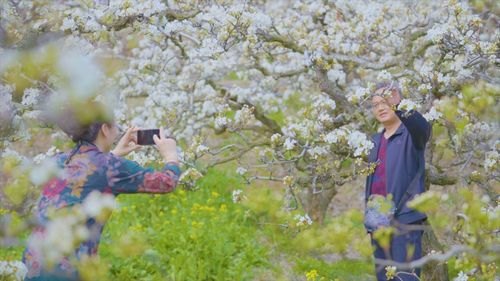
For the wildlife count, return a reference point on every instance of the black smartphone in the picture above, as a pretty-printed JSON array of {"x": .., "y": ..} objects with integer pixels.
[{"x": 145, "y": 137}]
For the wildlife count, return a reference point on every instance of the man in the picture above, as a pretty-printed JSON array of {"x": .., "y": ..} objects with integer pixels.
[{"x": 398, "y": 177}]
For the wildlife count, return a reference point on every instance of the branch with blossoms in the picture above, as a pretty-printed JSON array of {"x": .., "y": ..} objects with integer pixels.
[{"x": 487, "y": 256}]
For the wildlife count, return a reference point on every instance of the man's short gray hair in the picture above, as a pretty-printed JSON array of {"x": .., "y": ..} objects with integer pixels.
[{"x": 387, "y": 85}]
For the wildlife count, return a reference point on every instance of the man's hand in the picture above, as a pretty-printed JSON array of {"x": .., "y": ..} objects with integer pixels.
[
  {"x": 391, "y": 95},
  {"x": 127, "y": 143},
  {"x": 394, "y": 97}
]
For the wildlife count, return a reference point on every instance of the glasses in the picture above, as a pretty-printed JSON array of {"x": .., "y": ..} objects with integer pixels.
[{"x": 382, "y": 103}]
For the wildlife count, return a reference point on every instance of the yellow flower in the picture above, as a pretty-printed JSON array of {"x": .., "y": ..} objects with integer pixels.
[
  {"x": 312, "y": 275},
  {"x": 223, "y": 208}
]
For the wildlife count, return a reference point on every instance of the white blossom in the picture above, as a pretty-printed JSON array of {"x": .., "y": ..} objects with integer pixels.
[
  {"x": 173, "y": 26},
  {"x": 407, "y": 105},
  {"x": 359, "y": 143},
  {"x": 96, "y": 202},
  {"x": 491, "y": 160},
  {"x": 384, "y": 75},
  {"x": 243, "y": 116},
  {"x": 433, "y": 114},
  {"x": 324, "y": 102},
  {"x": 289, "y": 144},
  {"x": 336, "y": 74},
  {"x": 358, "y": 94},
  {"x": 303, "y": 220},
  {"x": 335, "y": 136},
  {"x": 317, "y": 151},
  {"x": 44, "y": 171},
  {"x": 241, "y": 171},
  {"x": 13, "y": 270},
  {"x": 237, "y": 195},
  {"x": 436, "y": 32},
  {"x": 325, "y": 118},
  {"x": 141, "y": 157},
  {"x": 461, "y": 277},
  {"x": 30, "y": 97},
  {"x": 276, "y": 139},
  {"x": 200, "y": 149},
  {"x": 221, "y": 122},
  {"x": 60, "y": 236}
]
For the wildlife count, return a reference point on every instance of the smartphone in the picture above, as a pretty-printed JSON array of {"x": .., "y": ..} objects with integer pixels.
[{"x": 145, "y": 137}]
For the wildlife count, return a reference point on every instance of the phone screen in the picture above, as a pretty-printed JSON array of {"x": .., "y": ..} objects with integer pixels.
[{"x": 145, "y": 137}]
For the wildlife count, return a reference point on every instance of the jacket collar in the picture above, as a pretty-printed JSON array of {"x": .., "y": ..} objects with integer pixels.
[{"x": 399, "y": 131}]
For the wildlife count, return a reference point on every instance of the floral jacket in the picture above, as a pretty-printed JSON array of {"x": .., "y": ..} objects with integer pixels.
[{"x": 86, "y": 169}]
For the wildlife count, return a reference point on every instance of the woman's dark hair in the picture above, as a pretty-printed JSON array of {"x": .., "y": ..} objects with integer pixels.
[
  {"x": 81, "y": 122},
  {"x": 88, "y": 133}
]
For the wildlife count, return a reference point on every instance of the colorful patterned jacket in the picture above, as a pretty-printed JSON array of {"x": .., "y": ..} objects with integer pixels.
[{"x": 83, "y": 170}]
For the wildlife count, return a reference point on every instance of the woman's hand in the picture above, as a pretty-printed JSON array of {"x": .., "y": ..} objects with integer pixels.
[
  {"x": 167, "y": 147},
  {"x": 127, "y": 143}
]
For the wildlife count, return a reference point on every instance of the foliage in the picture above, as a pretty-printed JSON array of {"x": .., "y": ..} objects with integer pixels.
[{"x": 198, "y": 235}]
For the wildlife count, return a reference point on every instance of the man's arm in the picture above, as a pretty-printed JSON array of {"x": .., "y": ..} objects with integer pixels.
[{"x": 419, "y": 128}]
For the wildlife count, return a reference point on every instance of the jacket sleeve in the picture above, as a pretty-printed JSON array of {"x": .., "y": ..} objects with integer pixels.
[
  {"x": 419, "y": 128},
  {"x": 125, "y": 176}
]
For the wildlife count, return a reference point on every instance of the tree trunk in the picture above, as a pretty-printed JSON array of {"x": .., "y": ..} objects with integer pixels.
[
  {"x": 433, "y": 271},
  {"x": 316, "y": 202}
]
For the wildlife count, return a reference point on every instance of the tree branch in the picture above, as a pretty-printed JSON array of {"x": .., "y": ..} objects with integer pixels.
[{"x": 454, "y": 250}]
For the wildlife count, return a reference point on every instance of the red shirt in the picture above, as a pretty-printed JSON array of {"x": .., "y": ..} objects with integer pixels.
[{"x": 379, "y": 177}]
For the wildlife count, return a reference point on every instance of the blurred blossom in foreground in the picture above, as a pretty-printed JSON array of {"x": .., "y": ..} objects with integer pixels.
[{"x": 12, "y": 270}]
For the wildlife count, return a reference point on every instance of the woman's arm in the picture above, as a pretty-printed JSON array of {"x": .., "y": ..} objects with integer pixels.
[{"x": 125, "y": 176}]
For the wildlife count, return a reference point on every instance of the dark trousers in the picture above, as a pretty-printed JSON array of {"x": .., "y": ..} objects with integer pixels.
[{"x": 405, "y": 246}]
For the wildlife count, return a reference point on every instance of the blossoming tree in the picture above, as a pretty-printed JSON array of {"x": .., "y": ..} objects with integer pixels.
[{"x": 280, "y": 87}]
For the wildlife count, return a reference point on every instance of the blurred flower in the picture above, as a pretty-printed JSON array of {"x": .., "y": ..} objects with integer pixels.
[
  {"x": 288, "y": 180},
  {"x": 312, "y": 275},
  {"x": 44, "y": 171},
  {"x": 12, "y": 270},
  {"x": 276, "y": 139},
  {"x": 433, "y": 114},
  {"x": 201, "y": 149},
  {"x": 241, "y": 171},
  {"x": 390, "y": 272},
  {"x": 221, "y": 122},
  {"x": 96, "y": 203},
  {"x": 31, "y": 97},
  {"x": 360, "y": 143},
  {"x": 303, "y": 220},
  {"x": 289, "y": 144},
  {"x": 461, "y": 277},
  {"x": 238, "y": 195},
  {"x": 6, "y": 108},
  {"x": 491, "y": 160},
  {"x": 407, "y": 105}
]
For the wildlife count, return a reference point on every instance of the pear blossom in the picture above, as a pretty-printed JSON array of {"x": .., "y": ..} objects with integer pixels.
[{"x": 303, "y": 220}]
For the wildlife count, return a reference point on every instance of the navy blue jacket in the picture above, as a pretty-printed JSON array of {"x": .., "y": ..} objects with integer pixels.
[{"x": 405, "y": 154}]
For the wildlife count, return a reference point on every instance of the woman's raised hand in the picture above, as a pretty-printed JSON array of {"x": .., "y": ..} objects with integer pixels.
[
  {"x": 127, "y": 143},
  {"x": 167, "y": 147}
]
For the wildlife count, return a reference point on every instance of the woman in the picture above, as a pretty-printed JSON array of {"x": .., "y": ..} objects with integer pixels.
[{"x": 88, "y": 168}]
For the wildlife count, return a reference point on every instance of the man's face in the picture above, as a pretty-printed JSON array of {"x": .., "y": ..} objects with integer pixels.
[{"x": 382, "y": 110}]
